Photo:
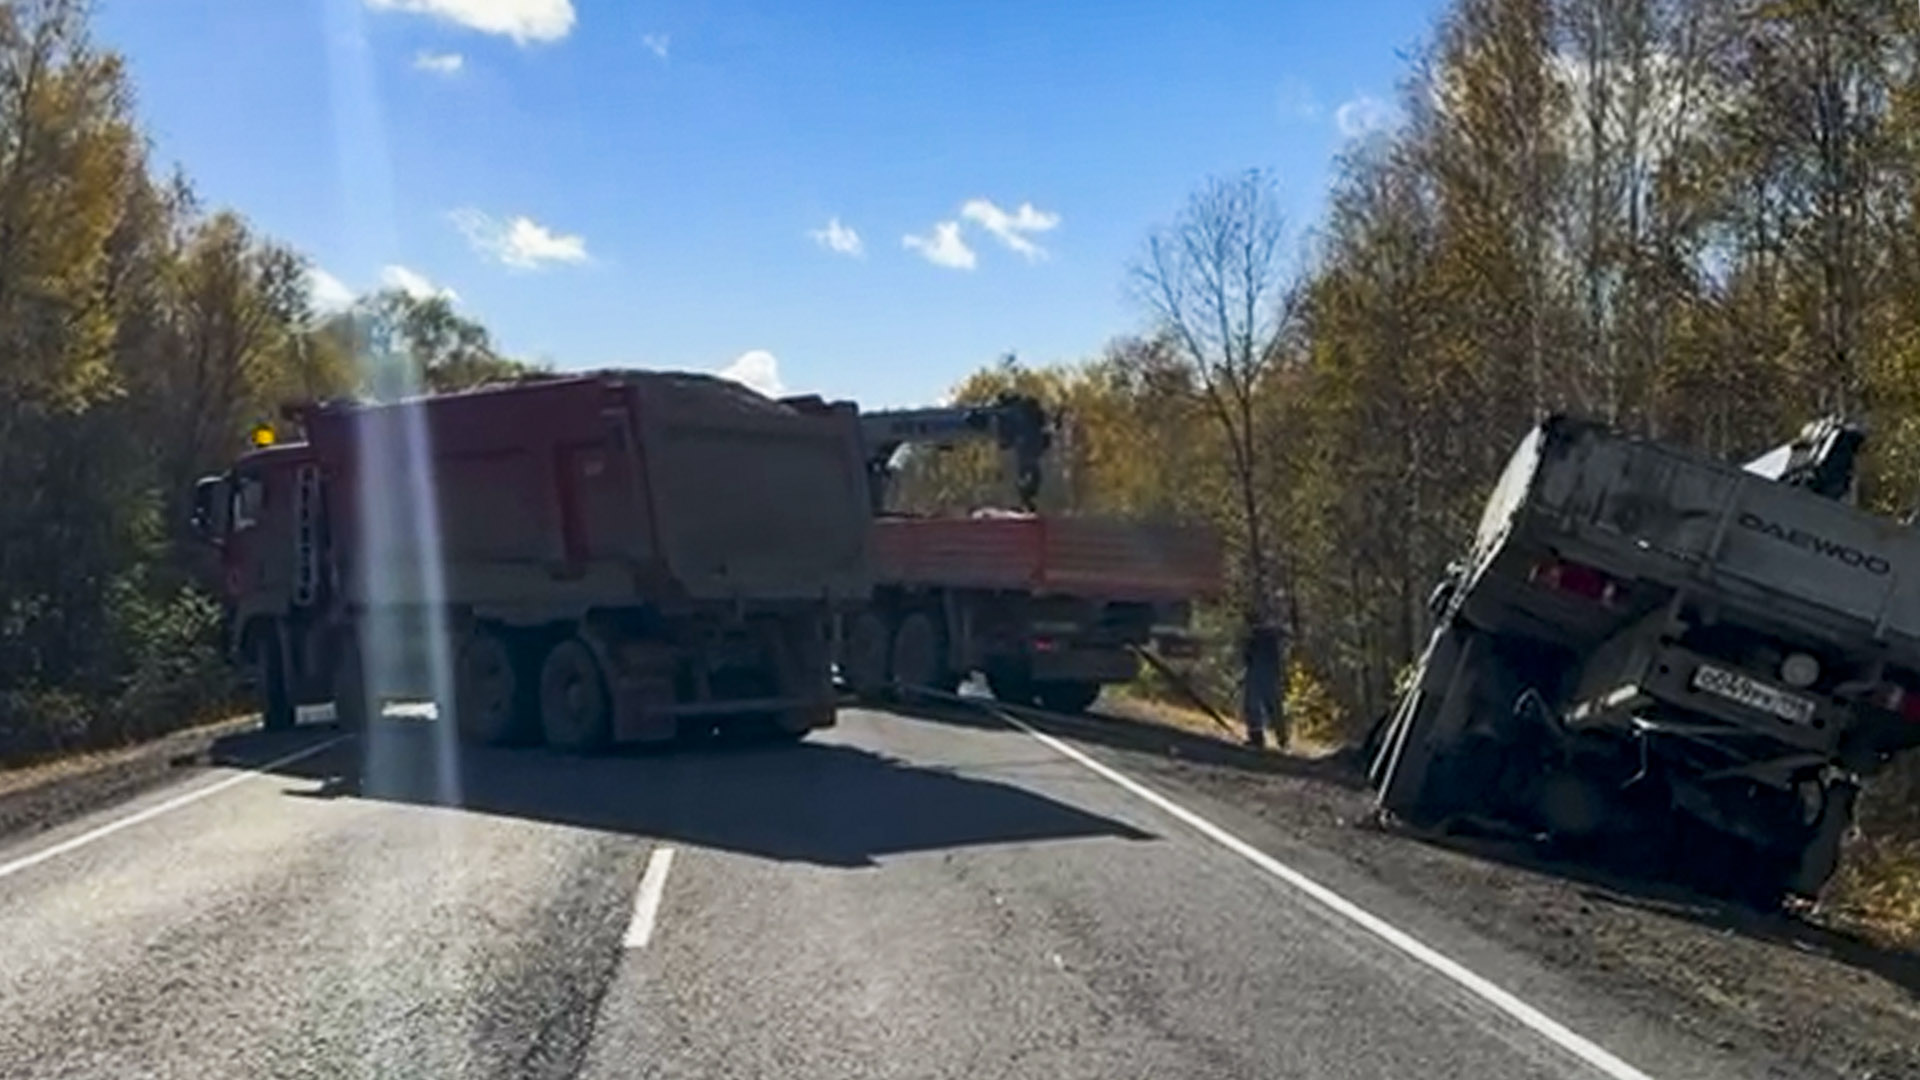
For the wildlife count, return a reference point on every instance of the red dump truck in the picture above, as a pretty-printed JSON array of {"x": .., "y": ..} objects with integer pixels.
[
  {"x": 1048, "y": 608},
  {"x": 575, "y": 560}
]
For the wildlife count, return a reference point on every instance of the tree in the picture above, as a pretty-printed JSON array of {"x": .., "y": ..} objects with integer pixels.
[
  {"x": 1215, "y": 283},
  {"x": 444, "y": 350},
  {"x": 67, "y": 153},
  {"x": 140, "y": 338}
]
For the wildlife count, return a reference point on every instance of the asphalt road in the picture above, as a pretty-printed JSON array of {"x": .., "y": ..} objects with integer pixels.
[{"x": 897, "y": 897}]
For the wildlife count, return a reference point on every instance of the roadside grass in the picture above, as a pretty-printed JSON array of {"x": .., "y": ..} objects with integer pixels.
[
  {"x": 45, "y": 769},
  {"x": 1876, "y": 892},
  {"x": 1304, "y": 740}
]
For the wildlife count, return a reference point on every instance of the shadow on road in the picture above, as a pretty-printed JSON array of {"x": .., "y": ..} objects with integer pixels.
[
  {"x": 1142, "y": 736},
  {"x": 819, "y": 802}
]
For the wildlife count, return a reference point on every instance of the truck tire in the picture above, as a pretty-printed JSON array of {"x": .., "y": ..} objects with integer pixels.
[
  {"x": 804, "y": 673},
  {"x": 576, "y": 715},
  {"x": 865, "y": 667},
  {"x": 919, "y": 660},
  {"x": 353, "y": 706},
  {"x": 493, "y": 699},
  {"x": 1820, "y": 856},
  {"x": 277, "y": 711},
  {"x": 1072, "y": 697}
]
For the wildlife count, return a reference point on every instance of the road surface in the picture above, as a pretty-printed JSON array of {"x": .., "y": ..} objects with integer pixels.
[{"x": 897, "y": 897}]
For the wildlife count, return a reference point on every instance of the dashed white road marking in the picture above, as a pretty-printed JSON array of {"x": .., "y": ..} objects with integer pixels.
[
  {"x": 154, "y": 811},
  {"x": 1586, "y": 1050},
  {"x": 646, "y": 903}
]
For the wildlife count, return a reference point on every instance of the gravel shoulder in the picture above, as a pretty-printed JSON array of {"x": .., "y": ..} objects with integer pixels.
[{"x": 1830, "y": 1003}]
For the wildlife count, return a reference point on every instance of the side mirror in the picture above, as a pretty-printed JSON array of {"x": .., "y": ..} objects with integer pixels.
[{"x": 210, "y": 505}]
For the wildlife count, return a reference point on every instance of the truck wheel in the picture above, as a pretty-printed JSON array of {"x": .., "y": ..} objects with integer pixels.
[
  {"x": 575, "y": 714},
  {"x": 1011, "y": 683},
  {"x": 1072, "y": 697},
  {"x": 492, "y": 700},
  {"x": 276, "y": 697},
  {"x": 804, "y": 673},
  {"x": 1820, "y": 856},
  {"x": 352, "y": 704},
  {"x": 917, "y": 660},
  {"x": 866, "y": 656}
]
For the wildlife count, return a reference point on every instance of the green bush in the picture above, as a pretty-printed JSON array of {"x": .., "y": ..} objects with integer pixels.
[
  {"x": 37, "y": 722},
  {"x": 178, "y": 675}
]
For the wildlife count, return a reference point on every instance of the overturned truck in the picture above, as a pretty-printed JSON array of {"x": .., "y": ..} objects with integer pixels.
[{"x": 1649, "y": 653}]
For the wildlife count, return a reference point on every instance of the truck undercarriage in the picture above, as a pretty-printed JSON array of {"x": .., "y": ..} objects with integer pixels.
[{"x": 1623, "y": 668}]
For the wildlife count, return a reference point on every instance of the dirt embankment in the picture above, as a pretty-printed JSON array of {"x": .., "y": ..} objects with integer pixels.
[
  {"x": 1831, "y": 989},
  {"x": 38, "y": 796}
]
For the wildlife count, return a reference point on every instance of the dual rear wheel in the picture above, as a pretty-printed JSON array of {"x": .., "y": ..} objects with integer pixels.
[
  {"x": 883, "y": 658},
  {"x": 512, "y": 690}
]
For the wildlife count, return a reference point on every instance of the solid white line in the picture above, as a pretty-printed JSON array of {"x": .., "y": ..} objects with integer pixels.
[
  {"x": 156, "y": 810},
  {"x": 1540, "y": 1023},
  {"x": 646, "y": 904}
]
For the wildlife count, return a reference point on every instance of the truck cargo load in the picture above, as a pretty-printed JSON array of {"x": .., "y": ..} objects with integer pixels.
[
  {"x": 1671, "y": 654},
  {"x": 686, "y": 487}
]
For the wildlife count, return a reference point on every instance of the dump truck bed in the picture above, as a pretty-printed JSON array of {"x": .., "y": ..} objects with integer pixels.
[
  {"x": 1661, "y": 520},
  {"x": 604, "y": 489},
  {"x": 1091, "y": 557}
]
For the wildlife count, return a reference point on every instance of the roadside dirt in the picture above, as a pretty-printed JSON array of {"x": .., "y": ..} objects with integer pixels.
[
  {"x": 39, "y": 796},
  {"x": 1832, "y": 1003}
]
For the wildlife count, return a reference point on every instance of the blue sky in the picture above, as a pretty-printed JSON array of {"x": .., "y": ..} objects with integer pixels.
[{"x": 626, "y": 182}]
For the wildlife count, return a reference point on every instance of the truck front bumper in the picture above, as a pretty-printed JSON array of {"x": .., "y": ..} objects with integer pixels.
[{"x": 1672, "y": 676}]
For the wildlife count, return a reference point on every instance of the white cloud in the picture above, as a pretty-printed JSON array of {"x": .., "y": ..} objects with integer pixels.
[
  {"x": 415, "y": 284},
  {"x": 521, "y": 20},
  {"x": 944, "y": 247},
  {"x": 657, "y": 44},
  {"x": 1297, "y": 101},
  {"x": 758, "y": 369},
  {"x": 1363, "y": 115},
  {"x": 328, "y": 293},
  {"x": 1012, "y": 229},
  {"x": 839, "y": 239},
  {"x": 439, "y": 63},
  {"x": 521, "y": 243}
]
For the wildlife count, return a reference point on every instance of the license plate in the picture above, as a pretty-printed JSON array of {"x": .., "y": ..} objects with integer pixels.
[{"x": 1752, "y": 693}]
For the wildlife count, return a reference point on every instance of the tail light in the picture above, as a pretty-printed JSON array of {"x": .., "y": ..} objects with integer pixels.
[
  {"x": 1573, "y": 578},
  {"x": 1044, "y": 644},
  {"x": 1898, "y": 699}
]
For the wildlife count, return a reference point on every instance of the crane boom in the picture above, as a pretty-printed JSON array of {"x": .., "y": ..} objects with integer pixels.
[{"x": 1018, "y": 423}]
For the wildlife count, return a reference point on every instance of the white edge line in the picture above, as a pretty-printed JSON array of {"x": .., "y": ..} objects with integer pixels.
[
  {"x": 151, "y": 812},
  {"x": 1540, "y": 1023},
  {"x": 646, "y": 903}
]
